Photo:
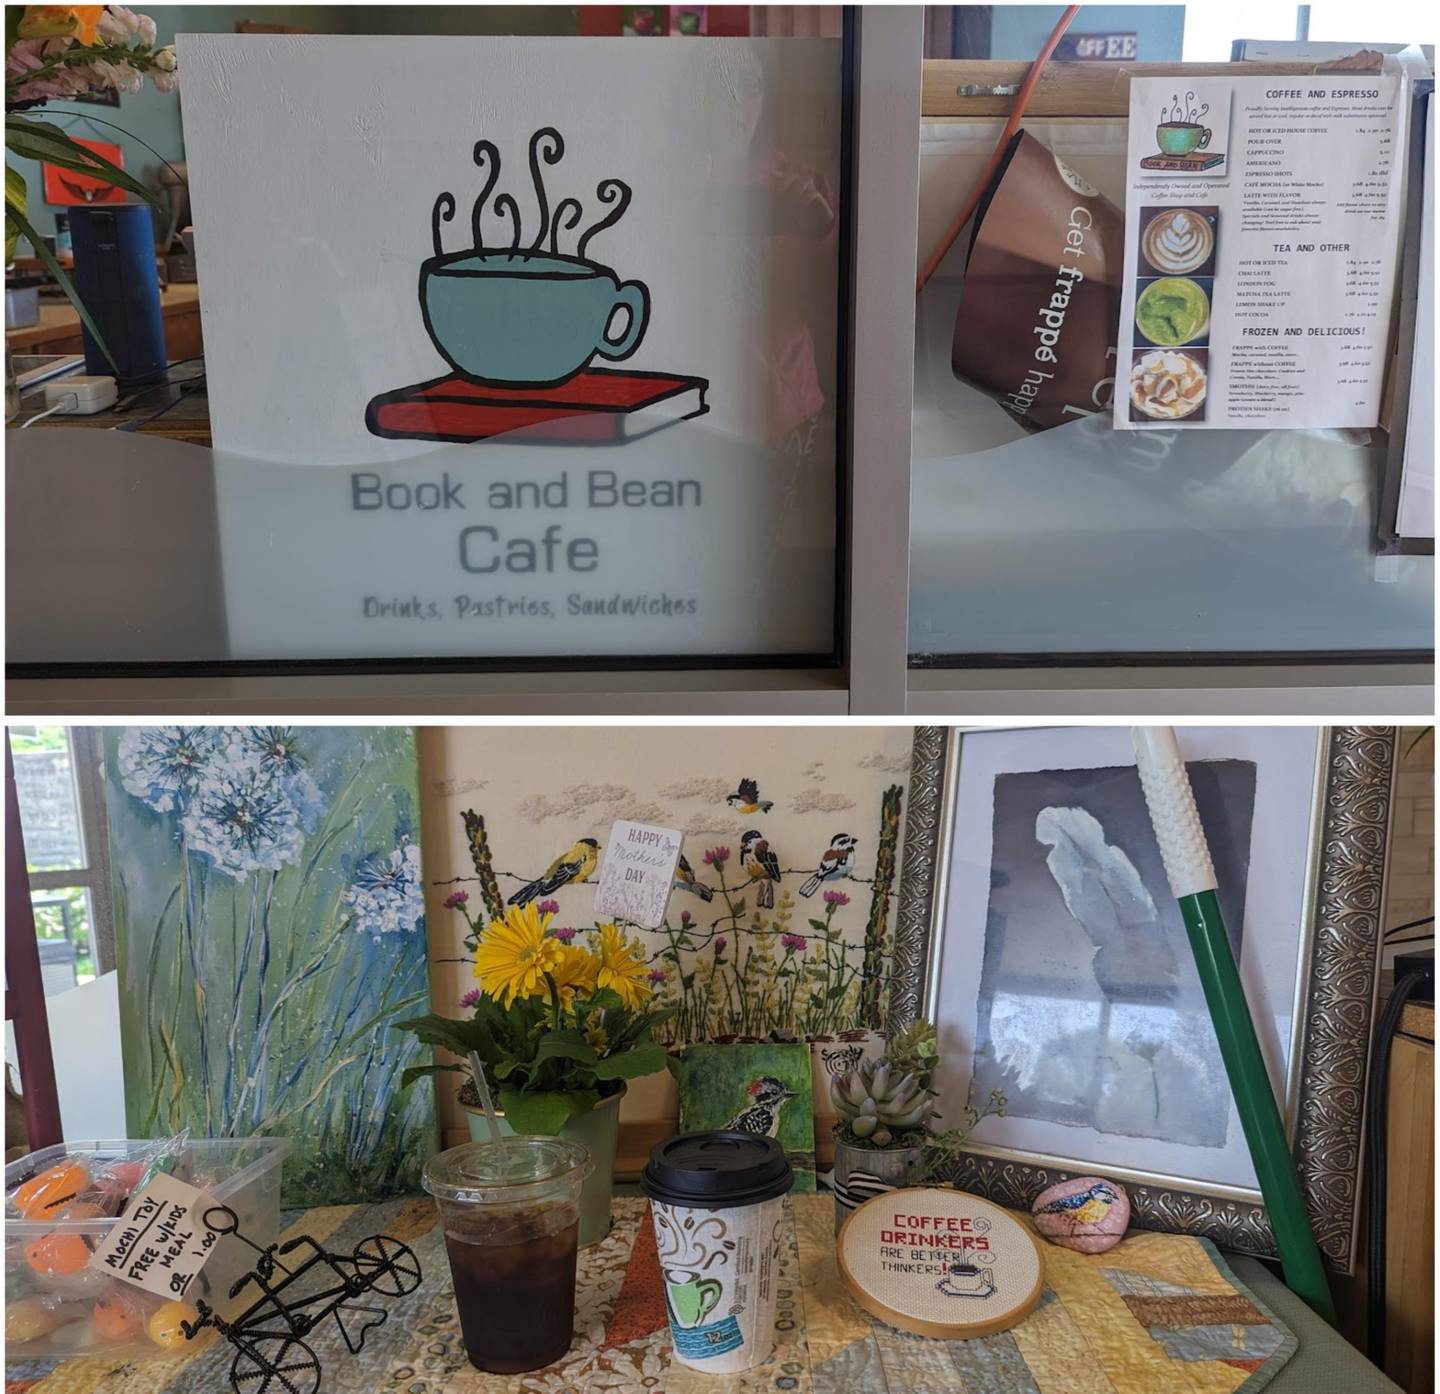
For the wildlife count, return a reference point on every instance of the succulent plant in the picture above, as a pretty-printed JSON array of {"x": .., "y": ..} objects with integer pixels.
[
  {"x": 876, "y": 1102},
  {"x": 914, "y": 1051}
]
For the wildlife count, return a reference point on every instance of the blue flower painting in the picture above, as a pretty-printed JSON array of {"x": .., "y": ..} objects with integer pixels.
[{"x": 270, "y": 925}]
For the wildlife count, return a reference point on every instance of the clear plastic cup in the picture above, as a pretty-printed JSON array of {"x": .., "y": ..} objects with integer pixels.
[{"x": 511, "y": 1216}]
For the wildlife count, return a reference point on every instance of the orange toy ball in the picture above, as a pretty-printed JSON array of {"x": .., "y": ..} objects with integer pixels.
[
  {"x": 116, "y": 1318},
  {"x": 58, "y": 1253},
  {"x": 41, "y": 1196},
  {"x": 164, "y": 1323}
]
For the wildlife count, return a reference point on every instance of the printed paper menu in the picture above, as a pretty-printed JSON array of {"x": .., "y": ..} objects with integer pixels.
[{"x": 1260, "y": 251}]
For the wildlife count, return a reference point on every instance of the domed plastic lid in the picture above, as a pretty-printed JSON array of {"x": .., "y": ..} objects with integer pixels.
[
  {"x": 520, "y": 1168},
  {"x": 716, "y": 1170}
]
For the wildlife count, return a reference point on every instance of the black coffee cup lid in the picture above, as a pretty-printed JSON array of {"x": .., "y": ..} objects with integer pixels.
[{"x": 716, "y": 1170}]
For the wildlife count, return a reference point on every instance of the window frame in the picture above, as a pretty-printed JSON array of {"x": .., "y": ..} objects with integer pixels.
[{"x": 94, "y": 876}]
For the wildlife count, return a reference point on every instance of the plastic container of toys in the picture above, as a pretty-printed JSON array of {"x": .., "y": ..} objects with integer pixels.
[{"x": 61, "y": 1201}]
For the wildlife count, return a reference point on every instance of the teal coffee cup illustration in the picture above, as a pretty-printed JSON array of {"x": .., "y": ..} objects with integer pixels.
[
  {"x": 717, "y": 1200},
  {"x": 528, "y": 320},
  {"x": 1181, "y": 137}
]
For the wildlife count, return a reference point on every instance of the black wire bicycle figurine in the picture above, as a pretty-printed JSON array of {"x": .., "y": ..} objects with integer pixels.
[{"x": 271, "y": 1356}]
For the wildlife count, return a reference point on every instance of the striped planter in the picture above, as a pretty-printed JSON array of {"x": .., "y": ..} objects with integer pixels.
[{"x": 863, "y": 1172}]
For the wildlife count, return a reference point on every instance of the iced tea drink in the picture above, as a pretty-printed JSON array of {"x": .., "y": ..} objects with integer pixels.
[{"x": 511, "y": 1217}]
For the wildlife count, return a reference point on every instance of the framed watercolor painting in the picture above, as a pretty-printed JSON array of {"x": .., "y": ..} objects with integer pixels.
[{"x": 1037, "y": 928}]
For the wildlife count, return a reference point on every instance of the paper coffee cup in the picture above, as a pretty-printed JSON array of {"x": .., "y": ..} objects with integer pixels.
[
  {"x": 717, "y": 1201},
  {"x": 1040, "y": 304}
]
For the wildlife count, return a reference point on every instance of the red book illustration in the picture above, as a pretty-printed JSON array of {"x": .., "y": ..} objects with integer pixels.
[{"x": 599, "y": 406}]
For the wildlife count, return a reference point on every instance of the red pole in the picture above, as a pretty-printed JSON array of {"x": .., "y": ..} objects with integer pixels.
[{"x": 24, "y": 987}]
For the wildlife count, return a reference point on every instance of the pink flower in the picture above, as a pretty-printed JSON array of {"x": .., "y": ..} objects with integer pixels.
[
  {"x": 717, "y": 856},
  {"x": 563, "y": 935},
  {"x": 686, "y": 917},
  {"x": 796, "y": 943},
  {"x": 470, "y": 998},
  {"x": 456, "y": 899},
  {"x": 720, "y": 944},
  {"x": 548, "y": 907},
  {"x": 836, "y": 898},
  {"x": 657, "y": 975}
]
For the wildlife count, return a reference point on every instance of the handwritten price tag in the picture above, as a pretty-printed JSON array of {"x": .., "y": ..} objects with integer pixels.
[
  {"x": 638, "y": 871},
  {"x": 161, "y": 1241}
]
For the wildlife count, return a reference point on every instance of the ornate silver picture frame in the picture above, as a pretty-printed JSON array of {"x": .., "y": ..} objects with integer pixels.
[{"x": 1334, "y": 1000}]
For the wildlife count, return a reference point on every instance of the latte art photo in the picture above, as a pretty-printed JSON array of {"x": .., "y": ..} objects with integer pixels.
[{"x": 1178, "y": 240}]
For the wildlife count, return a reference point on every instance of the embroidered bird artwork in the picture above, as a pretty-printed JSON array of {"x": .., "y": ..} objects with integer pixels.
[
  {"x": 762, "y": 1116},
  {"x": 578, "y": 864},
  {"x": 685, "y": 881},
  {"x": 746, "y": 798},
  {"x": 761, "y": 865},
  {"x": 835, "y": 863}
]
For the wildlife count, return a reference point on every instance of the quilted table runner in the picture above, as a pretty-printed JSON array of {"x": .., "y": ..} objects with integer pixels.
[{"x": 1158, "y": 1312}]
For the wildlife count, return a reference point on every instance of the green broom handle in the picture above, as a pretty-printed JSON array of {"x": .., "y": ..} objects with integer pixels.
[
  {"x": 1255, "y": 1101},
  {"x": 1191, "y": 874}
]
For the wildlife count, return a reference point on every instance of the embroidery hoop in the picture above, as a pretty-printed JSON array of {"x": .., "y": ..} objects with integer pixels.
[{"x": 1015, "y": 1272}]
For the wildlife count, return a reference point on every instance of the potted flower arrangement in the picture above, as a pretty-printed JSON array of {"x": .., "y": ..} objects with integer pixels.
[
  {"x": 56, "y": 53},
  {"x": 559, "y": 1027},
  {"x": 885, "y": 1138}
]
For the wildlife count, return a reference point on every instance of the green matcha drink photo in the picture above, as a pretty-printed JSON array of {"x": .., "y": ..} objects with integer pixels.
[{"x": 1173, "y": 310}]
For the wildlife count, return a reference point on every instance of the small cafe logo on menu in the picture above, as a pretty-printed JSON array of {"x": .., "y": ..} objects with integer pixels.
[
  {"x": 520, "y": 323},
  {"x": 1185, "y": 143}
]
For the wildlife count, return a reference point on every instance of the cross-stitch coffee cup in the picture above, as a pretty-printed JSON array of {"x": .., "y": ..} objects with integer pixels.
[
  {"x": 511, "y": 1217},
  {"x": 717, "y": 1200}
]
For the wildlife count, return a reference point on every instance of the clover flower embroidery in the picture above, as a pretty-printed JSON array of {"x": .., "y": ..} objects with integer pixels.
[
  {"x": 387, "y": 894},
  {"x": 836, "y": 898},
  {"x": 564, "y": 934},
  {"x": 548, "y": 907},
  {"x": 796, "y": 943},
  {"x": 717, "y": 856},
  {"x": 657, "y": 975},
  {"x": 470, "y": 998},
  {"x": 457, "y": 900}
]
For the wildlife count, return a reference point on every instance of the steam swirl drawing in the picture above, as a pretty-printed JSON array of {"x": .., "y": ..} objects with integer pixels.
[{"x": 521, "y": 313}]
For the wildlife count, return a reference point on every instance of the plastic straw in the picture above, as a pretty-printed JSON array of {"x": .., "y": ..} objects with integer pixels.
[{"x": 487, "y": 1103}]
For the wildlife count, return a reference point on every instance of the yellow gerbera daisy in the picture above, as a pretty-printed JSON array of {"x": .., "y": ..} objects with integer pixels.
[
  {"x": 514, "y": 955},
  {"x": 595, "y": 1034},
  {"x": 574, "y": 974},
  {"x": 622, "y": 967}
]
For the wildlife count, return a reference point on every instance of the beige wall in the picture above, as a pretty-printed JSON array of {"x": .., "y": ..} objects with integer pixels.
[{"x": 542, "y": 788}]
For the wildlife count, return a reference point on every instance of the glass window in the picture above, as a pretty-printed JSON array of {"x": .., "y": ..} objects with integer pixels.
[
  {"x": 548, "y": 373},
  {"x": 1044, "y": 533},
  {"x": 62, "y": 817}
]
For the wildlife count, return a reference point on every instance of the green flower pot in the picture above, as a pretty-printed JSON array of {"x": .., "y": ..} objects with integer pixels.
[{"x": 596, "y": 1130}]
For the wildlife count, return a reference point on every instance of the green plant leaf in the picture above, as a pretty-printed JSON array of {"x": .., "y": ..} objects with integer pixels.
[
  {"x": 13, "y": 215},
  {"x": 38, "y": 140},
  {"x": 544, "y": 1112},
  {"x": 15, "y": 197},
  {"x": 565, "y": 1045},
  {"x": 408, "y": 1077},
  {"x": 631, "y": 1064},
  {"x": 819, "y": 925},
  {"x": 460, "y": 1037}
]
